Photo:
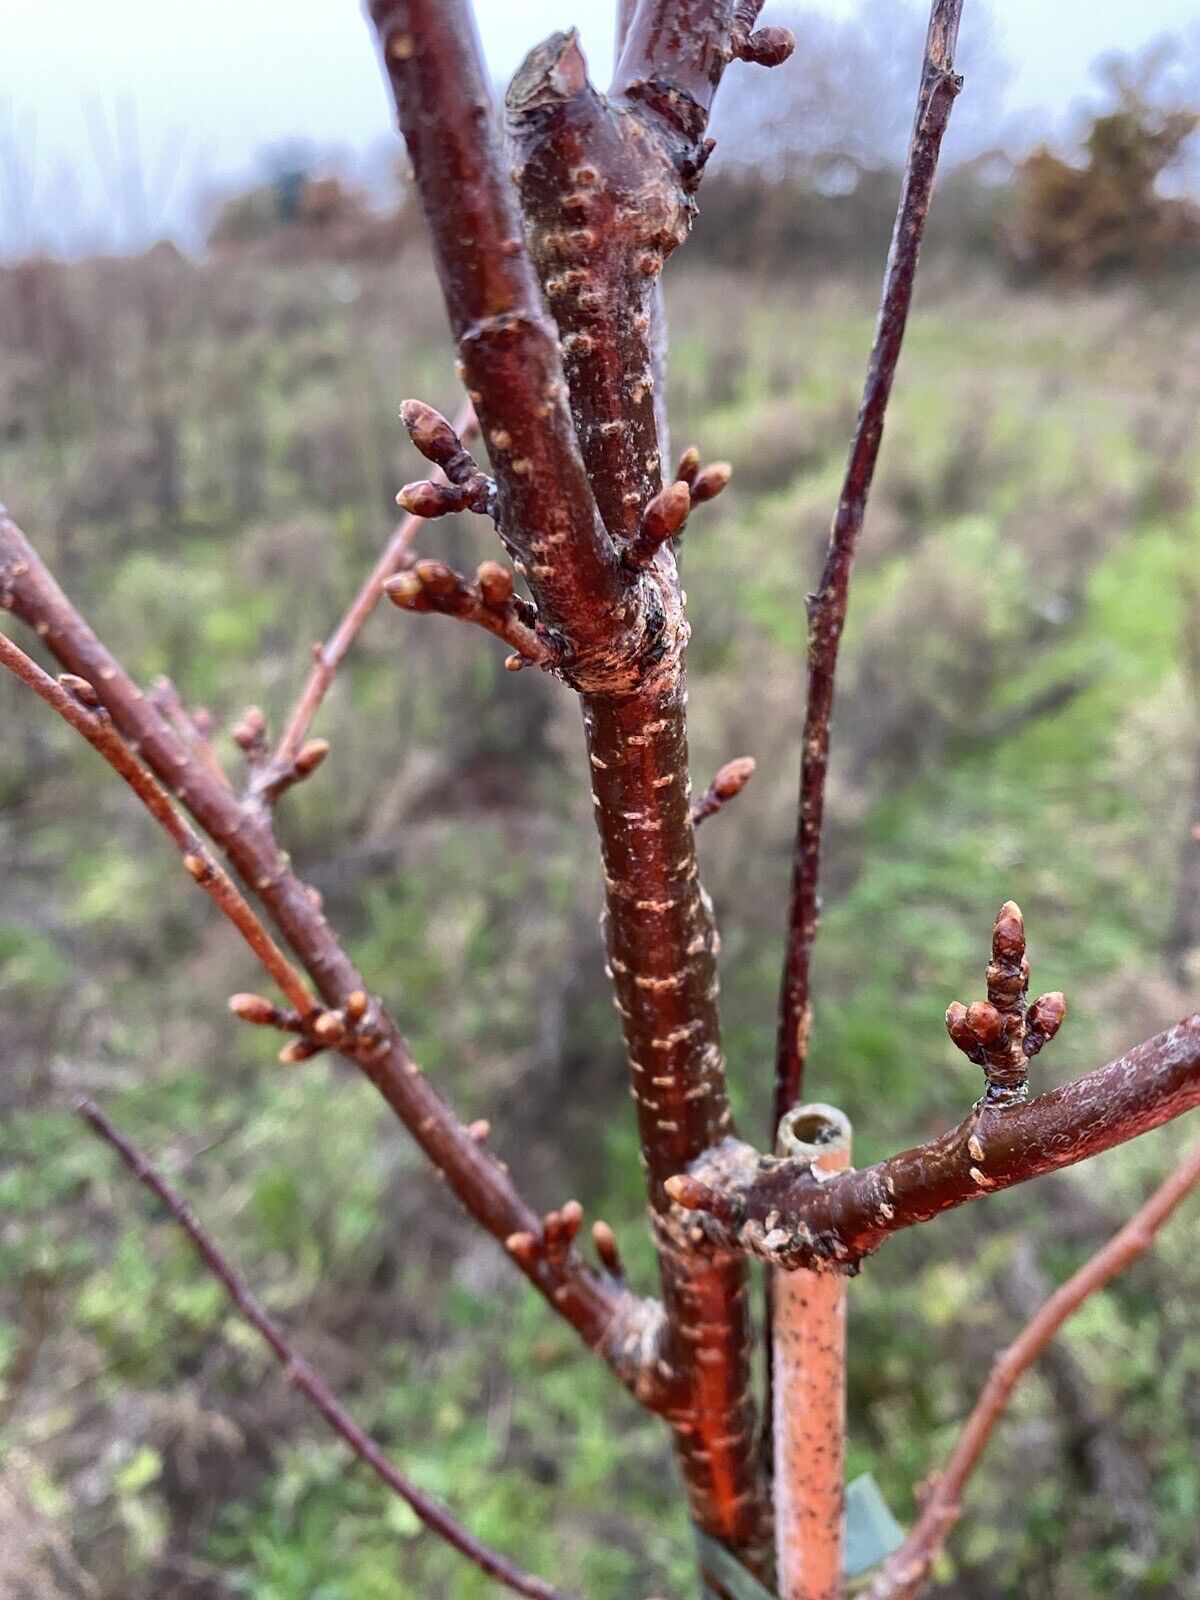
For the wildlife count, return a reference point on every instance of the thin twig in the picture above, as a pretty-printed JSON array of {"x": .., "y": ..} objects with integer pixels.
[
  {"x": 301, "y": 1376},
  {"x": 328, "y": 657},
  {"x": 907, "y": 1570},
  {"x": 607, "y": 1316},
  {"x": 827, "y": 607},
  {"x": 94, "y": 723}
]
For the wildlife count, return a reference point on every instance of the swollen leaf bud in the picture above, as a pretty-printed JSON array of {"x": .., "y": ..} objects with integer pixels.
[
  {"x": 607, "y": 1249},
  {"x": 769, "y": 47},
  {"x": 1043, "y": 1020},
  {"x": 984, "y": 1021},
  {"x": 311, "y": 755},
  {"x": 254, "y": 1008},
  {"x": 430, "y": 432},
  {"x": 958, "y": 1027},
  {"x": 495, "y": 584},
  {"x": 1008, "y": 938},
  {"x": 428, "y": 499},
  {"x": 437, "y": 579},
  {"x": 710, "y": 481},
  {"x": 665, "y": 515},
  {"x": 405, "y": 590},
  {"x": 251, "y": 728},
  {"x": 733, "y": 777}
]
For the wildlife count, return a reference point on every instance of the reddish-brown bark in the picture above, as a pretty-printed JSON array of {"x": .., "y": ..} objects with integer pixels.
[
  {"x": 778, "y": 1210},
  {"x": 827, "y": 607},
  {"x": 605, "y": 193},
  {"x": 506, "y": 342},
  {"x": 606, "y": 1316}
]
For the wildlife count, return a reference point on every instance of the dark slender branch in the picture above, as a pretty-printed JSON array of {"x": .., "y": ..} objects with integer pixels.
[
  {"x": 301, "y": 1376},
  {"x": 611, "y": 1320},
  {"x": 906, "y": 1572},
  {"x": 779, "y": 1211},
  {"x": 76, "y": 702},
  {"x": 827, "y": 607}
]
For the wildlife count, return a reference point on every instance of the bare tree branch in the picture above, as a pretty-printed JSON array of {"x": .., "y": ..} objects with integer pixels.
[
  {"x": 329, "y": 656},
  {"x": 509, "y": 353},
  {"x": 607, "y": 1316},
  {"x": 827, "y": 607},
  {"x": 778, "y": 1210},
  {"x": 906, "y": 1572},
  {"x": 301, "y": 1376},
  {"x": 606, "y": 185}
]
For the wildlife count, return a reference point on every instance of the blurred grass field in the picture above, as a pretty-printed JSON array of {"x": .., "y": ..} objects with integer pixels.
[{"x": 206, "y": 456}]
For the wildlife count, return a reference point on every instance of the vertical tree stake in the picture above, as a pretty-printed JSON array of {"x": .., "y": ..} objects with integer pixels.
[{"x": 809, "y": 1397}]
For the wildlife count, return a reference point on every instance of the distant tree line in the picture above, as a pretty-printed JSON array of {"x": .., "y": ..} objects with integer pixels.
[{"x": 805, "y": 170}]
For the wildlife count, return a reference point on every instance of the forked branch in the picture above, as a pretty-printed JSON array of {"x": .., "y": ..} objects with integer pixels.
[
  {"x": 827, "y": 607},
  {"x": 328, "y": 657},
  {"x": 606, "y": 1315},
  {"x": 780, "y": 1211},
  {"x": 907, "y": 1570},
  {"x": 301, "y": 1376}
]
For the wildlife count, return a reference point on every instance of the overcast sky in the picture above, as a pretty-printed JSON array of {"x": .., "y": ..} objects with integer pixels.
[{"x": 204, "y": 86}]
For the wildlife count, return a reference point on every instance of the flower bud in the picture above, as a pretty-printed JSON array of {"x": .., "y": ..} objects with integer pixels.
[
  {"x": 984, "y": 1021},
  {"x": 430, "y": 432},
  {"x": 710, "y": 481},
  {"x": 495, "y": 584}
]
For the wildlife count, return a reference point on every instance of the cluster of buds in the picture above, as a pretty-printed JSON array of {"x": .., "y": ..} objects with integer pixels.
[
  {"x": 558, "y": 1233},
  {"x": 1001, "y": 1033},
  {"x": 466, "y": 488},
  {"x": 728, "y": 782},
  {"x": 665, "y": 515},
  {"x": 767, "y": 47},
  {"x": 324, "y": 1028},
  {"x": 270, "y": 777},
  {"x": 491, "y": 601}
]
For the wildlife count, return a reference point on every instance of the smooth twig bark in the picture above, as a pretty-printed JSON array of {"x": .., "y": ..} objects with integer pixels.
[
  {"x": 304, "y": 1378},
  {"x": 777, "y": 1209},
  {"x": 827, "y": 607},
  {"x": 328, "y": 657},
  {"x": 906, "y": 1572},
  {"x": 611, "y": 1320}
]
